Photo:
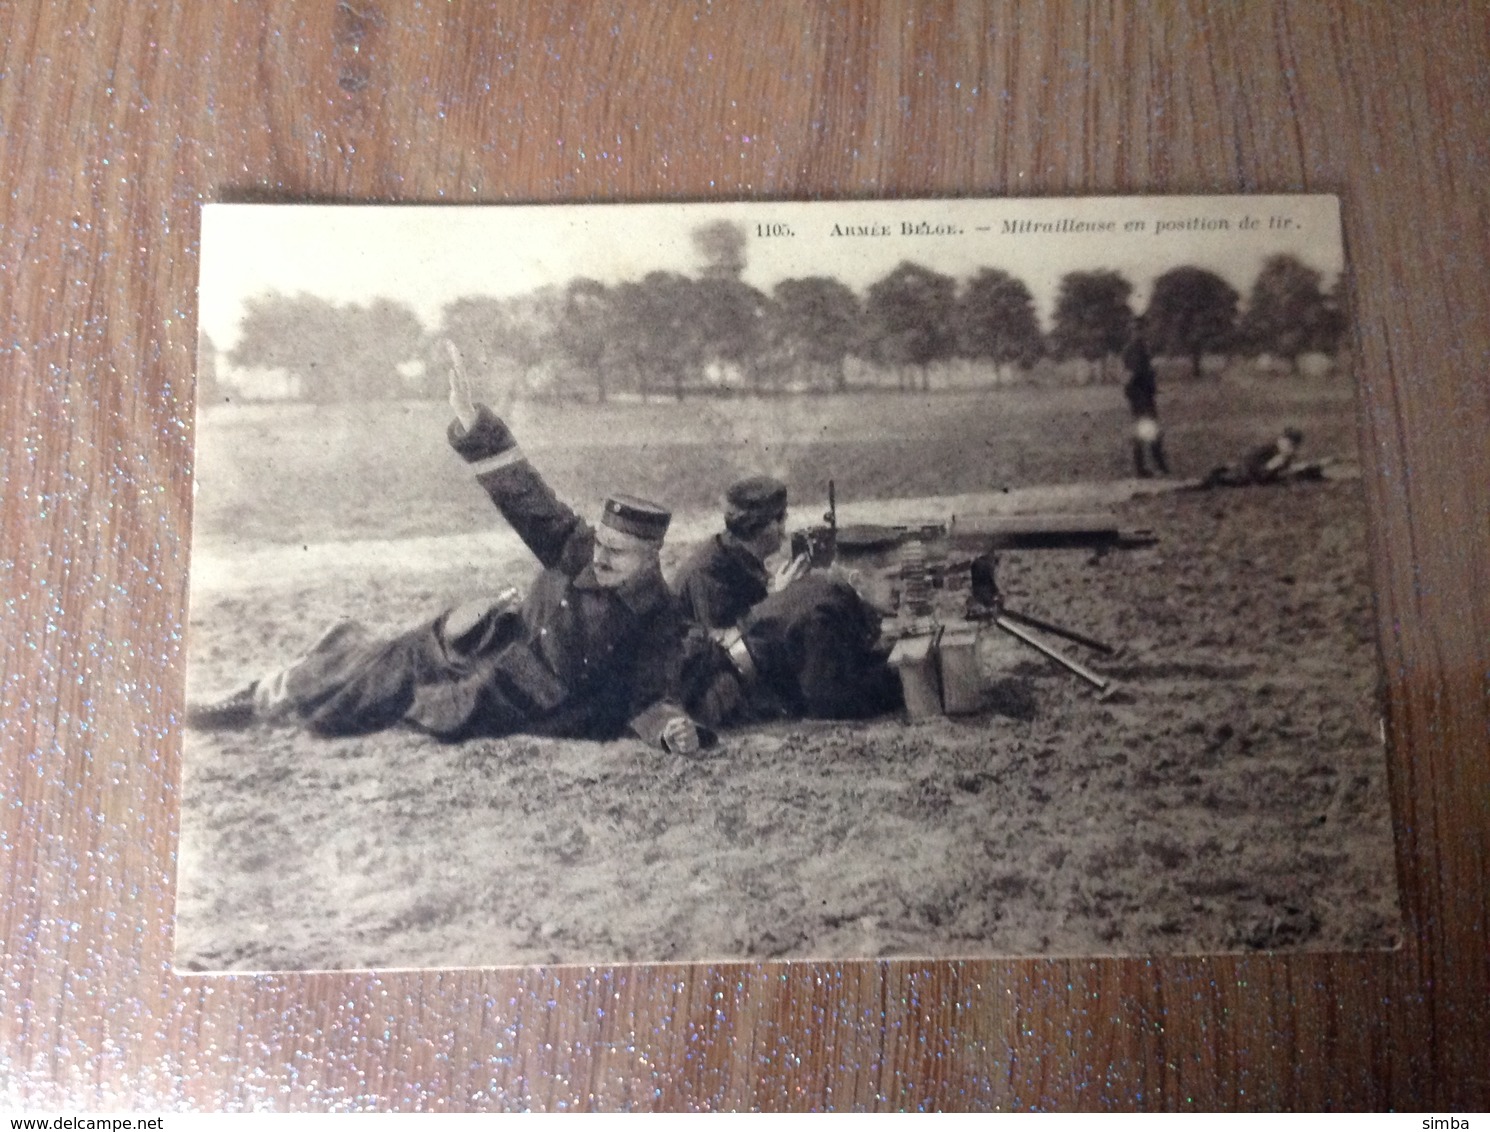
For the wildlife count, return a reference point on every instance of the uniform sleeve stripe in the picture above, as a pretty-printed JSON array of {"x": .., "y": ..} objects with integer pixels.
[{"x": 500, "y": 460}]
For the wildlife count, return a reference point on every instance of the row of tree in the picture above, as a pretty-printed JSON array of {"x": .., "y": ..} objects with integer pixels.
[{"x": 678, "y": 334}]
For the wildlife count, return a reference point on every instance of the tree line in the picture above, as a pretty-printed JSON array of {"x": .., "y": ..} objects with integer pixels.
[{"x": 679, "y": 335}]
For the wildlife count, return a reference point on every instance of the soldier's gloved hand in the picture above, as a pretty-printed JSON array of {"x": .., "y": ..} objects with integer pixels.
[
  {"x": 680, "y": 736},
  {"x": 789, "y": 572},
  {"x": 462, "y": 403}
]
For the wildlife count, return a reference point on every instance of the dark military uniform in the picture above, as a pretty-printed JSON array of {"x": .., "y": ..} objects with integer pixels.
[
  {"x": 810, "y": 650},
  {"x": 1266, "y": 464},
  {"x": 573, "y": 658},
  {"x": 720, "y": 582},
  {"x": 1142, "y": 388},
  {"x": 1142, "y": 392},
  {"x": 1270, "y": 462},
  {"x": 725, "y": 577}
]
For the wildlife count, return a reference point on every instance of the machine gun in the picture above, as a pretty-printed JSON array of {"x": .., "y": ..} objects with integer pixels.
[
  {"x": 936, "y": 584},
  {"x": 819, "y": 544}
]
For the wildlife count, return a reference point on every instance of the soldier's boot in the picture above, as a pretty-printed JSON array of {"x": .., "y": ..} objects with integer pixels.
[
  {"x": 233, "y": 711},
  {"x": 1140, "y": 465}
]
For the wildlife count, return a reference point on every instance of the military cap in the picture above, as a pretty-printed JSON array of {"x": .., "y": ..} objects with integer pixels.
[
  {"x": 637, "y": 517},
  {"x": 759, "y": 498}
]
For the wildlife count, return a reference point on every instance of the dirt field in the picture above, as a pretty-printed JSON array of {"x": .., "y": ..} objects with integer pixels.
[{"x": 1230, "y": 797}]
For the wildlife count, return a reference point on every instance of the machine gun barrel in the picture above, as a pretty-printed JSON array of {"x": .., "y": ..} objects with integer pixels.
[{"x": 1045, "y": 532}]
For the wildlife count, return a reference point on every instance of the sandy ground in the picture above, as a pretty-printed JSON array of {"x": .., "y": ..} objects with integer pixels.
[{"x": 1231, "y": 796}]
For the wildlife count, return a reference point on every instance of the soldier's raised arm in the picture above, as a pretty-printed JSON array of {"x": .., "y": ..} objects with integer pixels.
[{"x": 552, "y": 531}]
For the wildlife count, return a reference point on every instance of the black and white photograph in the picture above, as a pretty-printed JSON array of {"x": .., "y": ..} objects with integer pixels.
[{"x": 642, "y": 583}]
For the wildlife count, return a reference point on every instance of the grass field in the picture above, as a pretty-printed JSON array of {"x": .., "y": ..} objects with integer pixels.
[
  {"x": 1232, "y": 796},
  {"x": 289, "y": 473}
]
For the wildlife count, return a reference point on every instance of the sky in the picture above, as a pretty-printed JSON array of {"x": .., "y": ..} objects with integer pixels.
[{"x": 426, "y": 256}]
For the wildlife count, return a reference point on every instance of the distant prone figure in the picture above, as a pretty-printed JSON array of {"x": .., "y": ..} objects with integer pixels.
[{"x": 1266, "y": 464}]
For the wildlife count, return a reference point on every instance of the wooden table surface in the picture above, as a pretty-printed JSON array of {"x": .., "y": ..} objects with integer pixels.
[{"x": 118, "y": 120}]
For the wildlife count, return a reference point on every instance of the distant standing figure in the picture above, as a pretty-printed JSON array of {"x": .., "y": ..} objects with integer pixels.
[{"x": 1142, "y": 391}]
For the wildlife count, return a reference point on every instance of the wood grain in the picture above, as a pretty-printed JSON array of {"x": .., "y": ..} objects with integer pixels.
[{"x": 119, "y": 120}]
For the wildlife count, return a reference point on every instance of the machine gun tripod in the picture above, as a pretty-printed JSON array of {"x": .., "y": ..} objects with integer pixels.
[{"x": 986, "y": 604}]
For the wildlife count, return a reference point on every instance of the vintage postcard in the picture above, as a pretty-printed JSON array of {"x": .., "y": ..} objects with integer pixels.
[{"x": 754, "y": 581}]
